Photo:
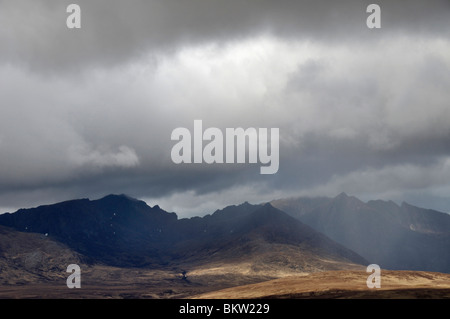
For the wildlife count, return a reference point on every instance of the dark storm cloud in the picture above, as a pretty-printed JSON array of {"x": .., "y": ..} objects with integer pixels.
[
  {"x": 89, "y": 112},
  {"x": 34, "y": 33}
]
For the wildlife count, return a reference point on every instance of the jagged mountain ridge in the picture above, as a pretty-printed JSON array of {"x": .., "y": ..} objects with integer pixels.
[
  {"x": 393, "y": 236},
  {"x": 121, "y": 231}
]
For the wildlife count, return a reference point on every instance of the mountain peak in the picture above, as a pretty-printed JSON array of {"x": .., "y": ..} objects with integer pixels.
[
  {"x": 342, "y": 195},
  {"x": 348, "y": 201},
  {"x": 119, "y": 197},
  {"x": 245, "y": 204}
]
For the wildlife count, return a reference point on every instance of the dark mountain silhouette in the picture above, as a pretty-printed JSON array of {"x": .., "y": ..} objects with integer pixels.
[
  {"x": 122, "y": 231},
  {"x": 115, "y": 229},
  {"x": 392, "y": 236}
]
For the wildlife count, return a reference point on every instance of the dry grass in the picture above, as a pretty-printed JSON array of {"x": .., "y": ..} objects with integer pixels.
[
  {"x": 34, "y": 266},
  {"x": 106, "y": 282},
  {"x": 343, "y": 284}
]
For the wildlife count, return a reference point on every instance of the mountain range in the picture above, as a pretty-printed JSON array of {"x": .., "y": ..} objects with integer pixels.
[
  {"x": 398, "y": 237},
  {"x": 121, "y": 231},
  {"x": 122, "y": 239}
]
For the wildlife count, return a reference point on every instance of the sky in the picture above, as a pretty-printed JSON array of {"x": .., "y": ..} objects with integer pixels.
[{"x": 89, "y": 112}]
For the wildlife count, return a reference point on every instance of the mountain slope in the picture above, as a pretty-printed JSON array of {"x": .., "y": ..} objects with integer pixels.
[
  {"x": 395, "y": 237},
  {"x": 265, "y": 237},
  {"x": 30, "y": 258}
]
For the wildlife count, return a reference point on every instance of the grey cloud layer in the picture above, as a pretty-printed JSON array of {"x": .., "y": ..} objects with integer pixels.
[
  {"x": 89, "y": 112},
  {"x": 117, "y": 31}
]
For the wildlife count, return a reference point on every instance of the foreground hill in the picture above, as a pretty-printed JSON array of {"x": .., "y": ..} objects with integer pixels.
[
  {"x": 343, "y": 284},
  {"x": 31, "y": 258},
  {"x": 395, "y": 237}
]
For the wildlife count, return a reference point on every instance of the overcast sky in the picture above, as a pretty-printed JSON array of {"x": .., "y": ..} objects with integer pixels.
[{"x": 88, "y": 112}]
